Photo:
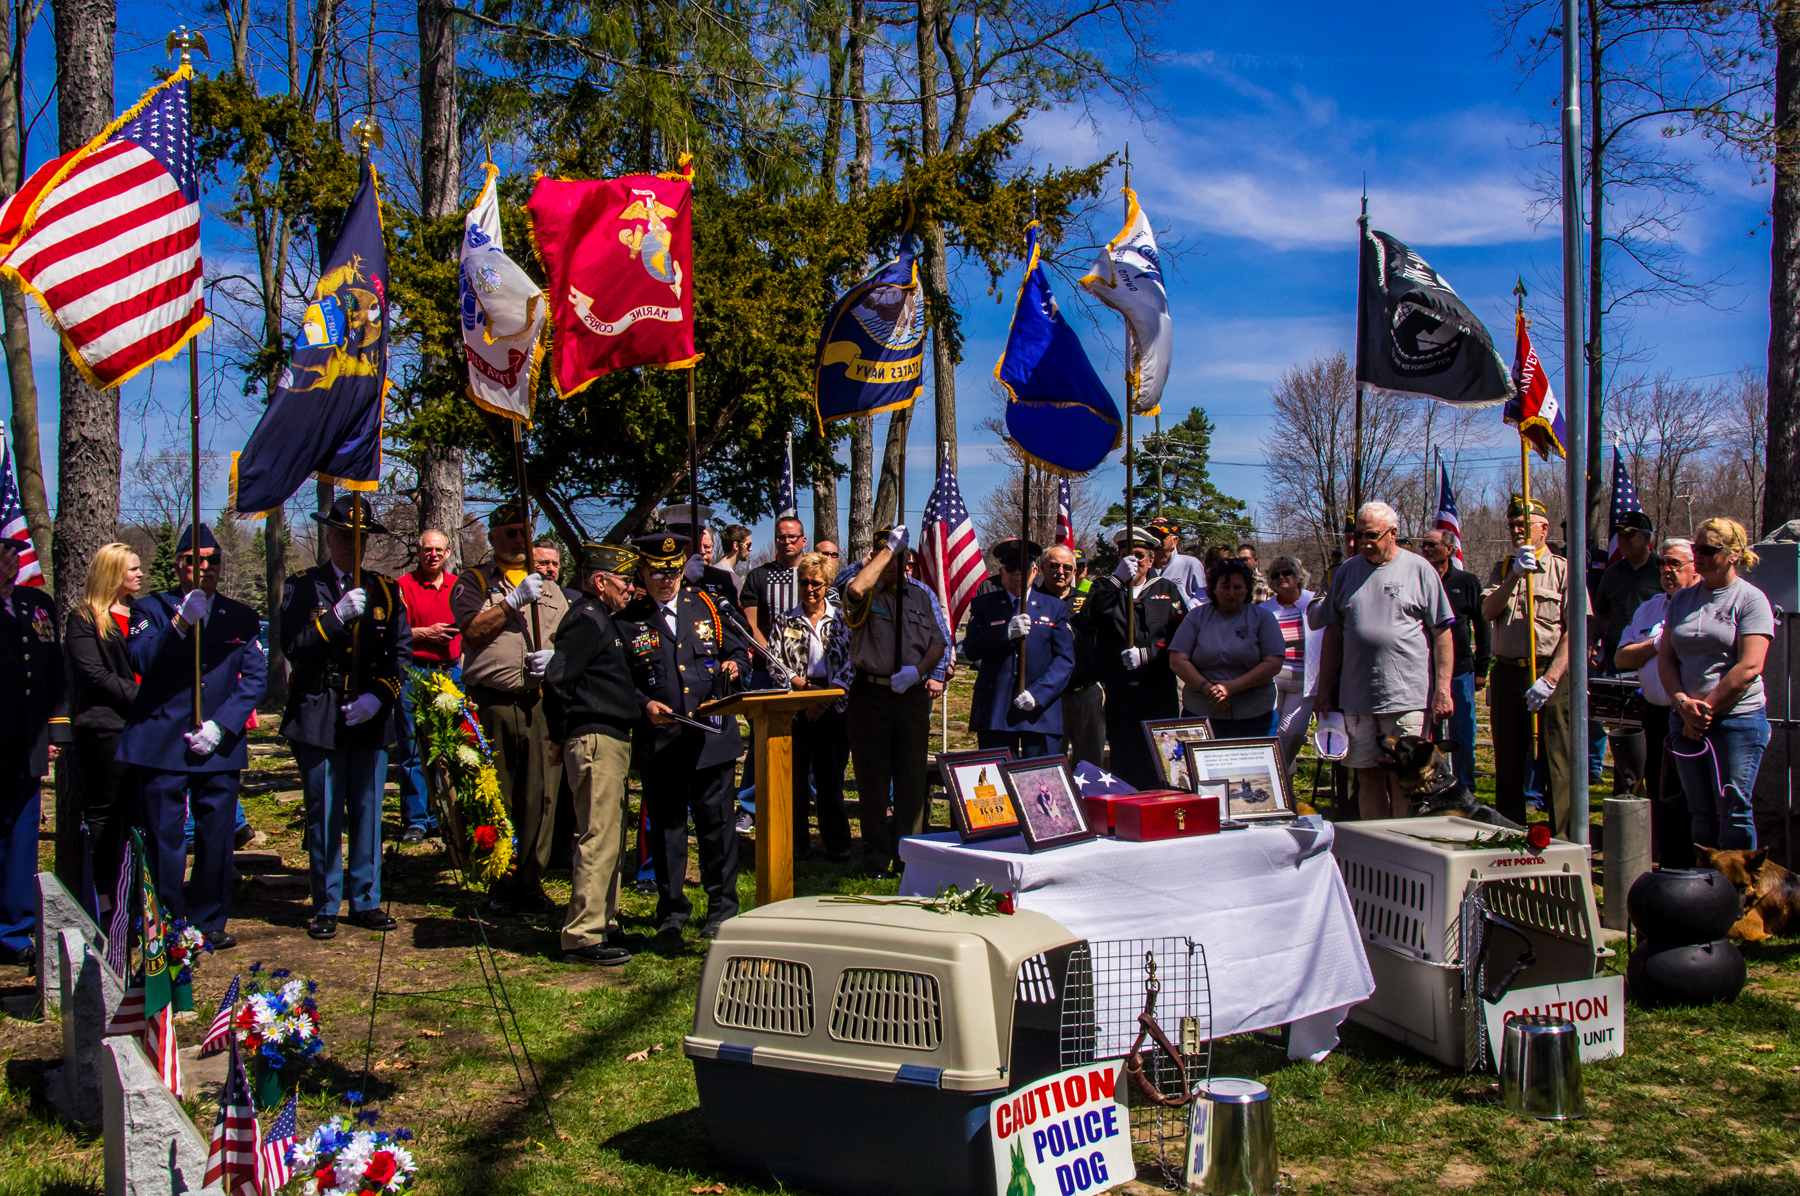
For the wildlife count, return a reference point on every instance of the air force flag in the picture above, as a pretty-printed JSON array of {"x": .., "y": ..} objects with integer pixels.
[
  {"x": 871, "y": 352},
  {"x": 1127, "y": 277},
  {"x": 503, "y": 314}
]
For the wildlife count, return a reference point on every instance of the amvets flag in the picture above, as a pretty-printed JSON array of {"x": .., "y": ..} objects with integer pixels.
[
  {"x": 503, "y": 314},
  {"x": 619, "y": 256},
  {"x": 1533, "y": 408},
  {"x": 107, "y": 237}
]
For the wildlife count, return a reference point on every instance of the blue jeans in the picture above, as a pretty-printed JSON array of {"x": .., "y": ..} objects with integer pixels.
[
  {"x": 1261, "y": 726},
  {"x": 343, "y": 794},
  {"x": 1718, "y": 785},
  {"x": 415, "y": 805},
  {"x": 19, "y": 808},
  {"x": 1460, "y": 728}
]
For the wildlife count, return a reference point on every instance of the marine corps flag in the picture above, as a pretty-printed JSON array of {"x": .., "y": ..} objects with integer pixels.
[
  {"x": 324, "y": 416},
  {"x": 503, "y": 314},
  {"x": 1416, "y": 337},
  {"x": 1127, "y": 277},
  {"x": 1057, "y": 409},
  {"x": 871, "y": 351},
  {"x": 619, "y": 258}
]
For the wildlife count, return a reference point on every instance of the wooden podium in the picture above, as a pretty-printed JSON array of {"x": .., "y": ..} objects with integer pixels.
[{"x": 771, "y": 718}]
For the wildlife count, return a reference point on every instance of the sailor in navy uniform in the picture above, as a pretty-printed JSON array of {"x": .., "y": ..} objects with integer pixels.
[
  {"x": 179, "y": 765},
  {"x": 680, "y": 657},
  {"x": 342, "y": 703},
  {"x": 1028, "y": 721},
  {"x": 31, "y": 719}
]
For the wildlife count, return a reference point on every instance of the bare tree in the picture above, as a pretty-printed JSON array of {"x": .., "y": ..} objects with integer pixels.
[
  {"x": 439, "y": 461},
  {"x": 1665, "y": 429},
  {"x": 997, "y": 514},
  {"x": 16, "y": 20}
]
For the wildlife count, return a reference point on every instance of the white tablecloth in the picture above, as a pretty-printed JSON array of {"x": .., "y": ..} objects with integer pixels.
[{"x": 1267, "y": 904}]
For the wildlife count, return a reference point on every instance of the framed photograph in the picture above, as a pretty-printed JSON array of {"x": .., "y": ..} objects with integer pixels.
[
  {"x": 1247, "y": 774},
  {"x": 979, "y": 804},
  {"x": 1051, "y": 813},
  {"x": 1170, "y": 739}
]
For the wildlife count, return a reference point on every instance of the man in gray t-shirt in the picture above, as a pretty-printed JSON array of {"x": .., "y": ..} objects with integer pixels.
[{"x": 1387, "y": 637}]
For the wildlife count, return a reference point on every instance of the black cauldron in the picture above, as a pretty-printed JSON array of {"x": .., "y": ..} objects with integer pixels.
[
  {"x": 1674, "y": 907},
  {"x": 1692, "y": 974}
]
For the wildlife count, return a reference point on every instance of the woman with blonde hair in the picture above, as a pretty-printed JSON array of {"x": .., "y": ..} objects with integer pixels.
[
  {"x": 101, "y": 687},
  {"x": 1715, "y": 637}
]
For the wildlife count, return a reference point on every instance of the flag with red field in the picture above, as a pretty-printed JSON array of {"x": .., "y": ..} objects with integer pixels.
[
  {"x": 1065, "y": 518},
  {"x": 272, "y": 1155},
  {"x": 12, "y": 519},
  {"x": 949, "y": 557},
  {"x": 1533, "y": 408},
  {"x": 1447, "y": 519},
  {"x": 107, "y": 237},
  {"x": 220, "y": 1031},
  {"x": 232, "y": 1157}
]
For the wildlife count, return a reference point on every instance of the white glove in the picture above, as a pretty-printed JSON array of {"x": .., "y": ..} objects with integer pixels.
[
  {"x": 194, "y": 607},
  {"x": 361, "y": 710},
  {"x": 1018, "y": 627},
  {"x": 1025, "y": 701},
  {"x": 526, "y": 592},
  {"x": 351, "y": 605},
  {"x": 694, "y": 570},
  {"x": 1525, "y": 560},
  {"x": 905, "y": 679},
  {"x": 1128, "y": 568},
  {"x": 537, "y": 663},
  {"x": 1133, "y": 658},
  {"x": 897, "y": 538},
  {"x": 205, "y": 741},
  {"x": 1539, "y": 694}
]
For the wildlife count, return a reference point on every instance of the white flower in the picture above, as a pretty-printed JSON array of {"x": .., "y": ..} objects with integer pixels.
[
  {"x": 468, "y": 756},
  {"x": 447, "y": 702}
]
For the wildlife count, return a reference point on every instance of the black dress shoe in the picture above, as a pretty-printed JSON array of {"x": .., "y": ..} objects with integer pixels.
[
  {"x": 671, "y": 926},
  {"x": 221, "y": 940},
  {"x": 413, "y": 834},
  {"x": 618, "y": 938},
  {"x": 598, "y": 953},
  {"x": 24, "y": 957},
  {"x": 322, "y": 926},
  {"x": 710, "y": 930},
  {"x": 372, "y": 919}
]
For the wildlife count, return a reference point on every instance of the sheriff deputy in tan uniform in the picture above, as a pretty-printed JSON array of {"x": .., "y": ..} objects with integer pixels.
[{"x": 506, "y": 651}]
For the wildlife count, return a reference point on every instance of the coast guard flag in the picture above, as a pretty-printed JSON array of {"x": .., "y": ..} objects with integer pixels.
[
  {"x": 1065, "y": 526},
  {"x": 949, "y": 556},
  {"x": 324, "y": 417},
  {"x": 1533, "y": 408},
  {"x": 871, "y": 352},
  {"x": 1447, "y": 518},
  {"x": 1624, "y": 502},
  {"x": 1127, "y": 277},
  {"x": 107, "y": 237},
  {"x": 784, "y": 501},
  {"x": 503, "y": 314},
  {"x": 1057, "y": 409},
  {"x": 1415, "y": 337},
  {"x": 12, "y": 519}
]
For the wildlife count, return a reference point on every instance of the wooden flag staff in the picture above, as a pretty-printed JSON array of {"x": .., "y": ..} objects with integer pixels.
[
  {"x": 367, "y": 133},
  {"x": 1531, "y": 669}
]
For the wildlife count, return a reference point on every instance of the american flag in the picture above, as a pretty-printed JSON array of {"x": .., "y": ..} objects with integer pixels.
[
  {"x": 785, "y": 507},
  {"x": 231, "y": 1160},
  {"x": 108, "y": 238},
  {"x": 129, "y": 1017},
  {"x": 157, "y": 1032},
  {"x": 1624, "y": 502},
  {"x": 949, "y": 557},
  {"x": 1065, "y": 525},
  {"x": 1447, "y": 518},
  {"x": 1091, "y": 779},
  {"x": 12, "y": 520},
  {"x": 272, "y": 1156},
  {"x": 220, "y": 1030}
]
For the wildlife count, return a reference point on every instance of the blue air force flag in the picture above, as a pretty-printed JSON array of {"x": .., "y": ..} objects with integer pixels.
[
  {"x": 871, "y": 351},
  {"x": 1127, "y": 277},
  {"x": 1057, "y": 409},
  {"x": 324, "y": 416}
]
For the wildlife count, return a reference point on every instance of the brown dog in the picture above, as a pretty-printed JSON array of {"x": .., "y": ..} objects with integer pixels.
[
  {"x": 1430, "y": 783},
  {"x": 1771, "y": 893}
]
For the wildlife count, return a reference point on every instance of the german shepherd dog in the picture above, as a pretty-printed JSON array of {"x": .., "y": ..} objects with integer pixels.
[
  {"x": 1430, "y": 783},
  {"x": 1771, "y": 893}
]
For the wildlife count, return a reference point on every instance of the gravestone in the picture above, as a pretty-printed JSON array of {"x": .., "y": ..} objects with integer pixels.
[
  {"x": 57, "y": 911},
  {"x": 152, "y": 1148},
  {"x": 90, "y": 992}
]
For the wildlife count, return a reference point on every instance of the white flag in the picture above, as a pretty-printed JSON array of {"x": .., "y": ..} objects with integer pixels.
[
  {"x": 1127, "y": 277},
  {"x": 503, "y": 314}
]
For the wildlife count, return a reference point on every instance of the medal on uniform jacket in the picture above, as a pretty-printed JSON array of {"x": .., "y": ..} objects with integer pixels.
[
  {"x": 644, "y": 643},
  {"x": 43, "y": 628},
  {"x": 704, "y": 630}
]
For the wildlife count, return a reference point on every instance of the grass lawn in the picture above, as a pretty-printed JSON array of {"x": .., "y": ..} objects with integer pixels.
[{"x": 1705, "y": 1101}]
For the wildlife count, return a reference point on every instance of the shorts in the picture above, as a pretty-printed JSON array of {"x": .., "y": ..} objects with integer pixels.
[{"x": 1367, "y": 731}]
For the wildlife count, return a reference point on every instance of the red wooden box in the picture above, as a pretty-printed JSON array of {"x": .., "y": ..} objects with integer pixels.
[
  {"x": 1165, "y": 815},
  {"x": 1102, "y": 807}
]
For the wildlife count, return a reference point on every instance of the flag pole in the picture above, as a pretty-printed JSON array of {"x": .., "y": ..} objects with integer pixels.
[
  {"x": 943, "y": 594},
  {"x": 1024, "y": 562},
  {"x": 1576, "y": 505},
  {"x": 537, "y": 628},
  {"x": 1130, "y": 404},
  {"x": 1531, "y": 673},
  {"x": 1356, "y": 458},
  {"x": 366, "y": 133},
  {"x": 193, "y": 355},
  {"x": 693, "y": 466}
]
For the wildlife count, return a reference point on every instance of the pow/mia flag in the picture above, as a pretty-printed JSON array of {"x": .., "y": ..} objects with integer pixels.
[{"x": 1415, "y": 337}]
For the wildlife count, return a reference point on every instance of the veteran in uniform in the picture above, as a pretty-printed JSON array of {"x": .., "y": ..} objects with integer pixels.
[
  {"x": 1083, "y": 712},
  {"x": 1139, "y": 683},
  {"x": 349, "y": 647},
  {"x": 508, "y": 614},
  {"x": 178, "y": 765},
  {"x": 1030, "y": 720},
  {"x": 683, "y": 654},
  {"x": 31, "y": 719},
  {"x": 720, "y": 584}
]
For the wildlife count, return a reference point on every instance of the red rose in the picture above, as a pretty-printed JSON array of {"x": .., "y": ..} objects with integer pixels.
[
  {"x": 1005, "y": 904},
  {"x": 1538, "y": 837},
  {"x": 327, "y": 1178},
  {"x": 381, "y": 1168},
  {"x": 486, "y": 837}
]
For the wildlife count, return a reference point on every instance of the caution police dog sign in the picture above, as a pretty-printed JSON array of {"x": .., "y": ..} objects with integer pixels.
[{"x": 1063, "y": 1135}]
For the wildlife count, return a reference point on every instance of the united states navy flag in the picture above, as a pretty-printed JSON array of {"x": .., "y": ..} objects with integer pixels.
[
  {"x": 324, "y": 416},
  {"x": 871, "y": 351}
]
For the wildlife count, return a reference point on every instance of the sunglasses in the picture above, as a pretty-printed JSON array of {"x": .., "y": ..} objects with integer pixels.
[
  {"x": 812, "y": 583},
  {"x": 1708, "y": 550},
  {"x": 1281, "y": 573},
  {"x": 1053, "y": 567},
  {"x": 1670, "y": 562},
  {"x": 828, "y": 554}
]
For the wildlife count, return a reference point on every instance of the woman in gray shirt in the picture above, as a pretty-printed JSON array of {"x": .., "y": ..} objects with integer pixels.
[
  {"x": 1710, "y": 660},
  {"x": 1227, "y": 654}
]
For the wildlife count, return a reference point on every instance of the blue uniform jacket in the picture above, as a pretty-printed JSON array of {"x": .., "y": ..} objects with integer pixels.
[
  {"x": 682, "y": 673},
  {"x": 33, "y": 710},
  {"x": 319, "y": 649},
  {"x": 1049, "y": 662},
  {"x": 234, "y": 671}
]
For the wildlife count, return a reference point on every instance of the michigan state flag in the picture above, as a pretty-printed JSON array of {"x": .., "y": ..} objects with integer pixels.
[
  {"x": 1416, "y": 337},
  {"x": 1057, "y": 409},
  {"x": 324, "y": 415},
  {"x": 871, "y": 352}
]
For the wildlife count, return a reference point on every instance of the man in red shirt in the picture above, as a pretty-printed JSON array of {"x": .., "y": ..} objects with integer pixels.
[{"x": 437, "y": 646}]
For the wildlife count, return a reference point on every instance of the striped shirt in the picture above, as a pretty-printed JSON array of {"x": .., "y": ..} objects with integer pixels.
[{"x": 1292, "y": 620}]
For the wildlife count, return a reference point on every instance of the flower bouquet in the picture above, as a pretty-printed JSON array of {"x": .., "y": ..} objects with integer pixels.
[
  {"x": 184, "y": 948},
  {"x": 477, "y": 830},
  {"x": 339, "y": 1161},
  {"x": 278, "y": 1031}
]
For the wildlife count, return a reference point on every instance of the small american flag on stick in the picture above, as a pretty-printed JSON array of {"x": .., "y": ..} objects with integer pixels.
[
  {"x": 220, "y": 1030},
  {"x": 949, "y": 556},
  {"x": 231, "y": 1160},
  {"x": 272, "y": 1155}
]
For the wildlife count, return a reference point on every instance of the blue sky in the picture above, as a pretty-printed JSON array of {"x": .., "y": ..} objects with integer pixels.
[{"x": 1251, "y": 167}]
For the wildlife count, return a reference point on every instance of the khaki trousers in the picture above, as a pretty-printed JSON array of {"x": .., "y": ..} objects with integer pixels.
[
  {"x": 516, "y": 730},
  {"x": 1513, "y": 747},
  {"x": 596, "y": 766}
]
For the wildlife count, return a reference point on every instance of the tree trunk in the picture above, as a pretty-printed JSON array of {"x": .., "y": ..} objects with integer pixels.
[
  {"x": 88, "y": 461},
  {"x": 862, "y": 478},
  {"x": 893, "y": 460},
  {"x": 440, "y": 466},
  {"x": 441, "y": 496},
  {"x": 324, "y": 494},
  {"x": 1781, "y": 481},
  {"x": 27, "y": 452},
  {"x": 943, "y": 359}
]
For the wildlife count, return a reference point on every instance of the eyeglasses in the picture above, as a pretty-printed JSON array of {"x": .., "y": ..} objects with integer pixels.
[
  {"x": 1281, "y": 573},
  {"x": 1053, "y": 567},
  {"x": 1368, "y": 537},
  {"x": 1670, "y": 562},
  {"x": 793, "y": 539},
  {"x": 1709, "y": 550}
]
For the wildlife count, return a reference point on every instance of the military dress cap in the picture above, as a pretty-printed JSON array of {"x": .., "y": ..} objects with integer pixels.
[
  {"x": 187, "y": 538},
  {"x": 607, "y": 558},
  {"x": 1007, "y": 551},
  {"x": 507, "y": 512},
  {"x": 1518, "y": 506},
  {"x": 1163, "y": 527},
  {"x": 1139, "y": 535},
  {"x": 1633, "y": 521},
  {"x": 662, "y": 550},
  {"x": 341, "y": 516},
  {"x": 680, "y": 514}
]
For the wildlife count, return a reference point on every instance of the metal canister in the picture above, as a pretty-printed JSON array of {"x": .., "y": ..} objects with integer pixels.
[
  {"x": 1231, "y": 1150},
  {"x": 1540, "y": 1068}
]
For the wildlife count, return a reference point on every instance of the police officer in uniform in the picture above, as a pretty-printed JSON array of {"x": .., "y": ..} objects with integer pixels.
[
  {"x": 179, "y": 765},
  {"x": 31, "y": 718},
  {"x": 1139, "y": 684},
  {"x": 349, "y": 647},
  {"x": 1029, "y": 721},
  {"x": 683, "y": 653}
]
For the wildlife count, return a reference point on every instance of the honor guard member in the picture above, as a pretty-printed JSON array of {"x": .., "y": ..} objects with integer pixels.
[
  {"x": 889, "y": 720},
  {"x": 181, "y": 767},
  {"x": 591, "y": 706},
  {"x": 1139, "y": 684},
  {"x": 1083, "y": 713},
  {"x": 31, "y": 718},
  {"x": 682, "y": 654},
  {"x": 1030, "y": 720},
  {"x": 349, "y": 648}
]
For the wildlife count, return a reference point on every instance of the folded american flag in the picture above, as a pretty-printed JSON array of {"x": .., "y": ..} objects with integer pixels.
[{"x": 1091, "y": 781}]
